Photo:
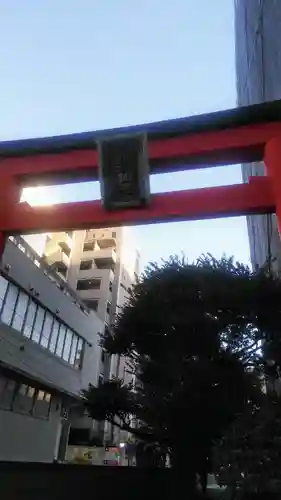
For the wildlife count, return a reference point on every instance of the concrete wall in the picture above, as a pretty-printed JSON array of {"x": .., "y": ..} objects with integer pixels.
[
  {"x": 24, "y": 438},
  {"x": 258, "y": 69},
  {"x": 127, "y": 263},
  {"x": 24, "y": 272},
  {"x": 106, "y": 275},
  {"x": 37, "y": 242},
  {"x": 121, "y": 278},
  {"x": 24, "y": 354}
]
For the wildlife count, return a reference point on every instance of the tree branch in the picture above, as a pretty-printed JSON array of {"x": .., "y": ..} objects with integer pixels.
[
  {"x": 132, "y": 430},
  {"x": 253, "y": 351}
]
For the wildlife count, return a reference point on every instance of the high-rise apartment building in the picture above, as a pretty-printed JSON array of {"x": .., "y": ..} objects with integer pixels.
[
  {"x": 99, "y": 265},
  {"x": 258, "y": 70}
]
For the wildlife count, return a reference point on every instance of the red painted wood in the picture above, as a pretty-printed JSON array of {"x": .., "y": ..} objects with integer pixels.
[
  {"x": 272, "y": 159},
  {"x": 49, "y": 163},
  {"x": 222, "y": 201},
  {"x": 232, "y": 145},
  {"x": 262, "y": 194}
]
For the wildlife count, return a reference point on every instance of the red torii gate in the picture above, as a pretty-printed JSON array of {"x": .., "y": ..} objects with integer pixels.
[{"x": 239, "y": 135}]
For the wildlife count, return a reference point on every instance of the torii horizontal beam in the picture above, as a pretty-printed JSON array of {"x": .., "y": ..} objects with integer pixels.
[
  {"x": 240, "y": 135},
  {"x": 223, "y": 201}
]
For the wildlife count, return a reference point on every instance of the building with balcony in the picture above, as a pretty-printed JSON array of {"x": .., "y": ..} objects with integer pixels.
[
  {"x": 100, "y": 265},
  {"x": 258, "y": 76},
  {"x": 49, "y": 352}
]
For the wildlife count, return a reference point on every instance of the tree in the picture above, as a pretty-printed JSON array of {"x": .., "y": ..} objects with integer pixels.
[
  {"x": 192, "y": 336},
  {"x": 248, "y": 456}
]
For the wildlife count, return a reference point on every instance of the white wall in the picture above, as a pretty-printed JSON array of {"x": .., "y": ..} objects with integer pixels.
[
  {"x": 37, "y": 242},
  {"x": 24, "y": 438}
]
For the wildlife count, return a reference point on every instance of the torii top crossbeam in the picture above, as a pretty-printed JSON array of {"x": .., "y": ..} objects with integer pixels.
[{"x": 239, "y": 135}]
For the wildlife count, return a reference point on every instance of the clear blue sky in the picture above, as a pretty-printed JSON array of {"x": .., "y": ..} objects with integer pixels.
[{"x": 70, "y": 66}]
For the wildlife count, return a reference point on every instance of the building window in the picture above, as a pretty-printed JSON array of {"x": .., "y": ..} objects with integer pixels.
[
  {"x": 54, "y": 336},
  {"x": 20, "y": 311},
  {"x": 93, "y": 284},
  {"x": 30, "y": 317},
  {"x": 3, "y": 289},
  {"x": 60, "y": 342},
  {"x": 66, "y": 251},
  {"x": 42, "y": 404},
  {"x": 24, "y": 398},
  {"x": 86, "y": 265},
  {"x": 105, "y": 263},
  {"x": 9, "y": 304},
  {"x": 114, "y": 234},
  {"x": 47, "y": 329},
  {"x": 8, "y": 395},
  {"x": 38, "y": 325},
  {"x": 89, "y": 246},
  {"x": 108, "y": 307},
  {"x": 30, "y": 392},
  {"x": 92, "y": 304},
  {"x": 63, "y": 245},
  {"x": 67, "y": 345},
  {"x": 79, "y": 354},
  {"x": 61, "y": 269},
  {"x": 73, "y": 350}
]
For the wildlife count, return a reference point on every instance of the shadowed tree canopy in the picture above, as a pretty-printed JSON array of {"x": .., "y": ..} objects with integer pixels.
[
  {"x": 192, "y": 337},
  {"x": 248, "y": 455}
]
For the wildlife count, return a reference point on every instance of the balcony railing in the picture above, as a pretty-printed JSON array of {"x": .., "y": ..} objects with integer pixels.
[
  {"x": 61, "y": 240},
  {"x": 105, "y": 259},
  {"x": 106, "y": 242},
  {"x": 106, "y": 275},
  {"x": 90, "y": 245},
  {"x": 58, "y": 258},
  {"x": 20, "y": 243}
]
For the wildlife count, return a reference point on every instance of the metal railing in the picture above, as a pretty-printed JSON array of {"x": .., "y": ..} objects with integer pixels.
[{"x": 22, "y": 245}]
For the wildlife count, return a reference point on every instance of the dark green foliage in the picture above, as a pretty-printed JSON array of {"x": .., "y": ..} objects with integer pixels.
[
  {"x": 248, "y": 456},
  {"x": 192, "y": 334}
]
